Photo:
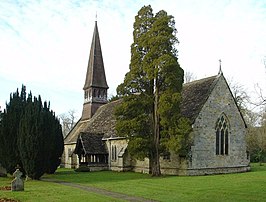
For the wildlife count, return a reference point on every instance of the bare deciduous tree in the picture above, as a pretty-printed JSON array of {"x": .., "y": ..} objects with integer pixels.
[
  {"x": 189, "y": 76},
  {"x": 259, "y": 89},
  {"x": 241, "y": 96},
  {"x": 261, "y": 98},
  {"x": 256, "y": 140},
  {"x": 68, "y": 121}
]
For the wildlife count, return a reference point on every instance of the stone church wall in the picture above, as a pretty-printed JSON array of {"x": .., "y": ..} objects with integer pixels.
[
  {"x": 175, "y": 165},
  {"x": 204, "y": 158},
  {"x": 123, "y": 162},
  {"x": 69, "y": 160},
  {"x": 141, "y": 166},
  {"x": 119, "y": 159}
]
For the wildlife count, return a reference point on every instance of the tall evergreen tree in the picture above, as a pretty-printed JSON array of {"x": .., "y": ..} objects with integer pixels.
[
  {"x": 1, "y": 129},
  {"x": 30, "y": 139},
  {"x": 40, "y": 139},
  {"x": 9, "y": 153},
  {"x": 54, "y": 140},
  {"x": 149, "y": 115},
  {"x": 31, "y": 136}
]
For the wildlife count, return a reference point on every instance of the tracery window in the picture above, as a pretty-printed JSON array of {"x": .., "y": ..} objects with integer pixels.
[{"x": 222, "y": 136}]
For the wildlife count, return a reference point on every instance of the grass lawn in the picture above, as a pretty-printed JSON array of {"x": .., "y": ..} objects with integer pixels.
[
  {"x": 249, "y": 186},
  {"x": 40, "y": 191}
]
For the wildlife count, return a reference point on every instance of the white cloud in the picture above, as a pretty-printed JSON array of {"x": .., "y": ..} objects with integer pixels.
[{"x": 45, "y": 44}]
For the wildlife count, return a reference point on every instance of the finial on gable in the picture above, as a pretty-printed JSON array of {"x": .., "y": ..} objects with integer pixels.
[
  {"x": 96, "y": 17},
  {"x": 220, "y": 67}
]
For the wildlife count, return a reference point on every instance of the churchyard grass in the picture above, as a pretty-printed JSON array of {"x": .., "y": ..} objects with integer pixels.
[
  {"x": 40, "y": 191},
  {"x": 250, "y": 186}
]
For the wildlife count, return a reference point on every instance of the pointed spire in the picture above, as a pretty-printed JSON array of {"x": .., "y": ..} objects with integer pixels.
[
  {"x": 220, "y": 67},
  {"x": 95, "y": 87},
  {"x": 95, "y": 72}
]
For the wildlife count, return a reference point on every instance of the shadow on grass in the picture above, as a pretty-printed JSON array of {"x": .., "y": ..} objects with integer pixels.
[
  {"x": 96, "y": 176},
  {"x": 258, "y": 167},
  {"x": 69, "y": 175}
]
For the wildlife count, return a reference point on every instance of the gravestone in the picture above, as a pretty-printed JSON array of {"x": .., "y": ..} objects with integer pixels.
[{"x": 17, "y": 184}]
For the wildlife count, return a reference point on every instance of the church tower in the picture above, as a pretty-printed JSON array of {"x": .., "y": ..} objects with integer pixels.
[{"x": 95, "y": 87}]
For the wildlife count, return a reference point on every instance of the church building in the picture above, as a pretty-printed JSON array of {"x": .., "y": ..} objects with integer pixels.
[{"x": 218, "y": 135}]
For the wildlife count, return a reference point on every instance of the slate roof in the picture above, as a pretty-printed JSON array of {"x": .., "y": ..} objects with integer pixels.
[
  {"x": 90, "y": 143},
  {"x": 103, "y": 121},
  {"x": 194, "y": 94},
  {"x": 95, "y": 76}
]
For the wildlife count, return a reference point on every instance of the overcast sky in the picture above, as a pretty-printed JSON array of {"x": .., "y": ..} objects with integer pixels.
[{"x": 45, "y": 44}]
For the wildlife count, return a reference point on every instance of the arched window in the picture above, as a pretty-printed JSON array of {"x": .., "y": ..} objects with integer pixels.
[
  {"x": 99, "y": 93},
  {"x": 222, "y": 133},
  {"x": 114, "y": 154},
  {"x": 86, "y": 95}
]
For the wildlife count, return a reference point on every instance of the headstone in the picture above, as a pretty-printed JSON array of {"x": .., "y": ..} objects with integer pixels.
[{"x": 17, "y": 184}]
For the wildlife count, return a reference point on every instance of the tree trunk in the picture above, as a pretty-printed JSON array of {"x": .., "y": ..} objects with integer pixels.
[{"x": 155, "y": 157}]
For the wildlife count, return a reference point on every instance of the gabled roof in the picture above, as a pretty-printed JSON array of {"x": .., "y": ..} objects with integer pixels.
[
  {"x": 90, "y": 143},
  {"x": 103, "y": 121},
  {"x": 194, "y": 96},
  {"x": 95, "y": 76},
  {"x": 79, "y": 127}
]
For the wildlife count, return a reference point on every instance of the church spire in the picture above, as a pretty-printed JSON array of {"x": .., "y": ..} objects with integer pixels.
[
  {"x": 95, "y": 72},
  {"x": 95, "y": 87}
]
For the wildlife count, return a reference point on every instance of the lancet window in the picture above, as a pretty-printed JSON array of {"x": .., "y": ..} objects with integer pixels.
[{"x": 114, "y": 154}]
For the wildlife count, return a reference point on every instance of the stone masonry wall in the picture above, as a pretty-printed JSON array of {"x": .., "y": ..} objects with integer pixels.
[
  {"x": 122, "y": 161},
  {"x": 203, "y": 151},
  {"x": 176, "y": 165},
  {"x": 141, "y": 166},
  {"x": 68, "y": 160}
]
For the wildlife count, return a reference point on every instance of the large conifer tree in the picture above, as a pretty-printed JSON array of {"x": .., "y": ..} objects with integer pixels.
[
  {"x": 9, "y": 153},
  {"x": 40, "y": 139},
  {"x": 30, "y": 139},
  {"x": 31, "y": 136},
  {"x": 54, "y": 140},
  {"x": 149, "y": 115}
]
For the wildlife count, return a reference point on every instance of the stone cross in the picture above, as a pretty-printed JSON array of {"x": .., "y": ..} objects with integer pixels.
[
  {"x": 220, "y": 67},
  {"x": 17, "y": 184}
]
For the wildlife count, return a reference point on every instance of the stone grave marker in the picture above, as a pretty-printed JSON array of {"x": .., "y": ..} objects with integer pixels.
[{"x": 17, "y": 184}]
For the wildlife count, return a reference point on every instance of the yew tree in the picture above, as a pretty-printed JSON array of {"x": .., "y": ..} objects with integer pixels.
[
  {"x": 149, "y": 116},
  {"x": 9, "y": 129},
  {"x": 31, "y": 136},
  {"x": 40, "y": 139}
]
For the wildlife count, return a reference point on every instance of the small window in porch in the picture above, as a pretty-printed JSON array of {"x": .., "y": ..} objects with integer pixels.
[{"x": 114, "y": 153}]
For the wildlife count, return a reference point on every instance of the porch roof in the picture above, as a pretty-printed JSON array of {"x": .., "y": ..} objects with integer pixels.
[{"x": 90, "y": 143}]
